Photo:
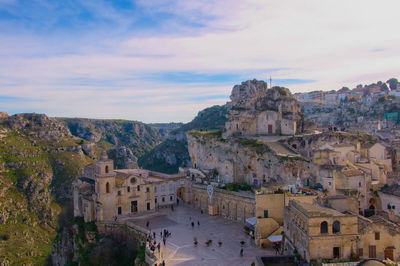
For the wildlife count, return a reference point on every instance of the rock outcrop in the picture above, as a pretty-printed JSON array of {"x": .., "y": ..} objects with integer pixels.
[
  {"x": 137, "y": 136},
  {"x": 257, "y": 110},
  {"x": 123, "y": 157},
  {"x": 241, "y": 160},
  {"x": 247, "y": 150},
  {"x": 38, "y": 160}
]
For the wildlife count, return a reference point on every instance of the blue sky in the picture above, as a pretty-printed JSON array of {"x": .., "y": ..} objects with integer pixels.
[{"x": 165, "y": 60}]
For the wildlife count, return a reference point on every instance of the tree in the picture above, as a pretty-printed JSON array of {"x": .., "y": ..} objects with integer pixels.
[
  {"x": 393, "y": 83},
  {"x": 343, "y": 89},
  {"x": 384, "y": 87}
]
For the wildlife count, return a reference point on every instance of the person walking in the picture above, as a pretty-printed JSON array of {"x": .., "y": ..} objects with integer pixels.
[
  {"x": 241, "y": 252},
  {"x": 154, "y": 235},
  {"x": 163, "y": 241},
  {"x": 192, "y": 224},
  {"x": 198, "y": 223},
  {"x": 159, "y": 247}
]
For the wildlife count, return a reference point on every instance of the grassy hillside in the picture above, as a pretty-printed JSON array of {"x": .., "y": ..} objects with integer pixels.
[{"x": 38, "y": 161}]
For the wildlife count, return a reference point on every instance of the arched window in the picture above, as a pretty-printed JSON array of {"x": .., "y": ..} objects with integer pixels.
[
  {"x": 336, "y": 227},
  {"x": 106, "y": 169},
  {"x": 107, "y": 187},
  {"x": 324, "y": 227}
]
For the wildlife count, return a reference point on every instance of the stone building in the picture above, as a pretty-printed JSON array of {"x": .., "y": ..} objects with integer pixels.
[
  {"x": 316, "y": 232},
  {"x": 232, "y": 205},
  {"x": 103, "y": 193},
  {"x": 256, "y": 110},
  {"x": 379, "y": 238},
  {"x": 270, "y": 208},
  {"x": 390, "y": 201}
]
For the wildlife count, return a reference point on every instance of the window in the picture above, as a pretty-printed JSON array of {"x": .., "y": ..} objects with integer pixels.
[
  {"x": 163, "y": 199},
  {"x": 372, "y": 252},
  {"x": 128, "y": 189},
  {"x": 359, "y": 184},
  {"x": 138, "y": 188},
  {"x": 119, "y": 192},
  {"x": 360, "y": 252},
  {"x": 147, "y": 189},
  {"x": 265, "y": 213},
  {"x": 336, "y": 227},
  {"x": 107, "y": 187},
  {"x": 148, "y": 206},
  {"x": 324, "y": 227},
  {"x": 377, "y": 236},
  {"x": 106, "y": 170},
  {"x": 155, "y": 200},
  {"x": 170, "y": 198},
  {"x": 336, "y": 252},
  {"x": 119, "y": 210}
]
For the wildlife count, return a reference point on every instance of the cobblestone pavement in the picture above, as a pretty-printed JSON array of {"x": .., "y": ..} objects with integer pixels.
[{"x": 180, "y": 250}]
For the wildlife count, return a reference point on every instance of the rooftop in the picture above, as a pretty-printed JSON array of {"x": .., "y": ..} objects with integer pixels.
[
  {"x": 352, "y": 172},
  {"x": 315, "y": 210},
  {"x": 392, "y": 190}
]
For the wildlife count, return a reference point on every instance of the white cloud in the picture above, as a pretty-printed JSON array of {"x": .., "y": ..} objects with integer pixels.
[{"x": 335, "y": 43}]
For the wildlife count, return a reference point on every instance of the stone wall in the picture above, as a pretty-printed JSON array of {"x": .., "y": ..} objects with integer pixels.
[{"x": 231, "y": 205}]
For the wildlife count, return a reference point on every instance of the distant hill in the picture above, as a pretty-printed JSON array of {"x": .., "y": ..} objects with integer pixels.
[{"x": 172, "y": 153}]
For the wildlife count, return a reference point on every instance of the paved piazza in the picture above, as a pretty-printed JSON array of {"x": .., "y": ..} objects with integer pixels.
[{"x": 180, "y": 250}]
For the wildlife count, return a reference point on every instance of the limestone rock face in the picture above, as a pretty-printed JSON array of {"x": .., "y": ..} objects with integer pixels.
[
  {"x": 123, "y": 157},
  {"x": 245, "y": 161},
  {"x": 137, "y": 136},
  {"x": 245, "y": 94},
  {"x": 38, "y": 125},
  {"x": 257, "y": 110}
]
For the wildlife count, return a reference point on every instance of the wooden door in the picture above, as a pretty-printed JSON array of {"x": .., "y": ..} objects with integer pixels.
[
  {"x": 389, "y": 253},
  {"x": 372, "y": 251},
  {"x": 269, "y": 129}
]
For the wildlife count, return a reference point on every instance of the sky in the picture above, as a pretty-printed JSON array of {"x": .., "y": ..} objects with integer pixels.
[{"x": 165, "y": 60}]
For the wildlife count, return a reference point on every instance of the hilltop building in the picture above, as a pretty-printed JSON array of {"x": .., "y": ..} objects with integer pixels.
[{"x": 256, "y": 109}]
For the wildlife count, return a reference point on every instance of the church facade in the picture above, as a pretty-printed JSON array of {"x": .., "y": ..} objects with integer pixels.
[{"x": 105, "y": 193}]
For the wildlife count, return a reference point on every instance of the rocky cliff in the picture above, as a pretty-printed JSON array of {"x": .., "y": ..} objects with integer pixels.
[
  {"x": 256, "y": 109},
  {"x": 38, "y": 160},
  {"x": 242, "y": 160},
  {"x": 125, "y": 140},
  {"x": 247, "y": 150}
]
